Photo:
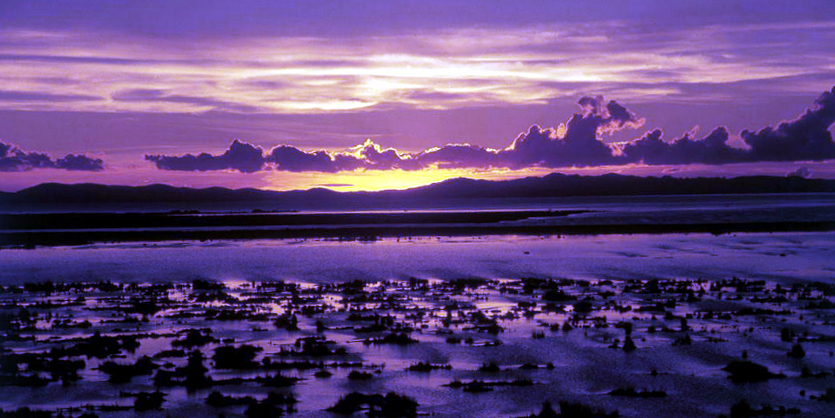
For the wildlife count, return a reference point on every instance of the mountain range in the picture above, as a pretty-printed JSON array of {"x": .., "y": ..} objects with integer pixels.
[{"x": 458, "y": 191}]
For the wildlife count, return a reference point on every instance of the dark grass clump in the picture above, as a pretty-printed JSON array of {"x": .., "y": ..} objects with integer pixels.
[
  {"x": 195, "y": 338},
  {"x": 632, "y": 393},
  {"x": 287, "y": 322},
  {"x": 478, "y": 386},
  {"x": 315, "y": 346},
  {"x": 170, "y": 354},
  {"x": 229, "y": 357},
  {"x": 100, "y": 347},
  {"x": 828, "y": 396},
  {"x": 391, "y": 405},
  {"x": 25, "y": 413},
  {"x": 489, "y": 368},
  {"x": 797, "y": 351},
  {"x": 749, "y": 372},
  {"x": 572, "y": 410},
  {"x": 123, "y": 373},
  {"x": 219, "y": 400},
  {"x": 147, "y": 401},
  {"x": 64, "y": 370},
  {"x": 355, "y": 375},
  {"x": 428, "y": 367},
  {"x": 557, "y": 296},
  {"x": 277, "y": 381},
  {"x": 192, "y": 375},
  {"x": 743, "y": 410},
  {"x": 263, "y": 410},
  {"x": 629, "y": 345},
  {"x": 806, "y": 373},
  {"x": 393, "y": 338}
]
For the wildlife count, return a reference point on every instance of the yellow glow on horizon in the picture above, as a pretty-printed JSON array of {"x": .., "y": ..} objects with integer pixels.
[
  {"x": 376, "y": 180},
  {"x": 373, "y": 180}
]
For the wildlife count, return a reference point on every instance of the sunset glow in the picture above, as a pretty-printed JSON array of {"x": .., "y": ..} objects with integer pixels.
[
  {"x": 100, "y": 88},
  {"x": 403, "y": 208}
]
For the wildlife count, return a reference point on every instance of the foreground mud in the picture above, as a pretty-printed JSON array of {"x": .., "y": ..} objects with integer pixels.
[{"x": 469, "y": 347}]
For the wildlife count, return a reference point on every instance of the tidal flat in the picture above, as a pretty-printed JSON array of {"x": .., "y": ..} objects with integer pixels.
[{"x": 624, "y": 325}]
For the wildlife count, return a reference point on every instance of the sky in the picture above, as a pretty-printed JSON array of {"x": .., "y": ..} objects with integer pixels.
[{"x": 369, "y": 95}]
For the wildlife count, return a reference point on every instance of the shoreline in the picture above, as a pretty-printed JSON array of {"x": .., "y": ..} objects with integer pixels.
[{"x": 32, "y": 239}]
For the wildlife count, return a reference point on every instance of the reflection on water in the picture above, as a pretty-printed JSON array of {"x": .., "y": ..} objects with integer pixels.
[
  {"x": 776, "y": 256},
  {"x": 685, "y": 331}
]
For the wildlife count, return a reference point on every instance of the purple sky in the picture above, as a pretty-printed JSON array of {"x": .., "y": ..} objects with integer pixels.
[{"x": 126, "y": 92}]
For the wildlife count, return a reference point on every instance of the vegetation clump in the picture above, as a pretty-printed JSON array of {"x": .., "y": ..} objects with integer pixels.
[
  {"x": 428, "y": 367},
  {"x": 123, "y": 373},
  {"x": 632, "y": 393},
  {"x": 743, "y": 410},
  {"x": 147, "y": 401},
  {"x": 393, "y": 338},
  {"x": 195, "y": 338},
  {"x": 230, "y": 357},
  {"x": 743, "y": 371},
  {"x": 572, "y": 410},
  {"x": 390, "y": 405}
]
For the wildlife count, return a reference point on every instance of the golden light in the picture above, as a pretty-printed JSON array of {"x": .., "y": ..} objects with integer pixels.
[{"x": 374, "y": 180}]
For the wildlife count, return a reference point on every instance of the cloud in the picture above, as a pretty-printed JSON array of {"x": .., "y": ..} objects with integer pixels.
[
  {"x": 368, "y": 155},
  {"x": 440, "y": 67},
  {"x": 79, "y": 163},
  {"x": 14, "y": 159},
  {"x": 289, "y": 158},
  {"x": 577, "y": 143},
  {"x": 243, "y": 157},
  {"x": 806, "y": 138},
  {"x": 712, "y": 149},
  {"x": 35, "y": 96},
  {"x": 162, "y": 96},
  {"x": 581, "y": 145},
  {"x": 459, "y": 156}
]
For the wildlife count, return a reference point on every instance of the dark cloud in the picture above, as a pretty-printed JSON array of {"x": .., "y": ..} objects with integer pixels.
[
  {"x": 577, "y": 143},
  {"x": 240, "y": 156},
  {"x": 712, "y": 149},
  {"x": 581, "y": 145},
  {"x": 14, "y": 159},
  {"x": 804, "y": 138},
  {"x": 459, "y": 156},
  {"x": 289, "y": 158},
  {"x": 376, "y": 157},
  {"x": 247, "y": 158},
  {"x": 74, "y": 162}
]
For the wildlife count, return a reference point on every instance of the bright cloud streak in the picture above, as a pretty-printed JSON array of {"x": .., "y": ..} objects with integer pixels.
[{"x": 439, "y": 69}]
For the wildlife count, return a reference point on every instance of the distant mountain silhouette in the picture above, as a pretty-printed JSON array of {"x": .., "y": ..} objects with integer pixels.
[{"x": 55, "y": 196}]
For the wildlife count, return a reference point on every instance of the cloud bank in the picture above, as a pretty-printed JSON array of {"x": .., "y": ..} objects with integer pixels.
[
  {"x": 577, "y": 143},
  {"x": 14, "y": 159},
  {"x": 439, "y": 67}
]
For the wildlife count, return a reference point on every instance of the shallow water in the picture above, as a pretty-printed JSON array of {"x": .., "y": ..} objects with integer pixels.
[
  {"x": 785, "y": 257},
  {"x": 585, "y": 368}
]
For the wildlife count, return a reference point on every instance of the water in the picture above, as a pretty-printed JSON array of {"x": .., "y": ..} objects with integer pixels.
[
  {"x": 596, "y": 203},
  {"x": 585, "y": 369}
]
